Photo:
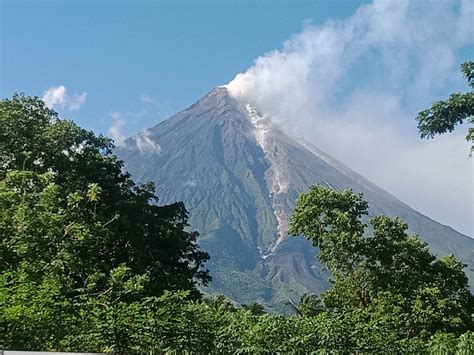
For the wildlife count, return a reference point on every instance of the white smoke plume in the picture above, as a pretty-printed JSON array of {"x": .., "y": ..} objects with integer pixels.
[{"x": 353, "y": 88}]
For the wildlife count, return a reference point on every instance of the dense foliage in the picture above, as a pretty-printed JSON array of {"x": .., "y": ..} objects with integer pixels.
[
  {"x": 172, "y": 323},
  {"x": 389, "y": 271},
  {"x": 72, "y": 222},
  {"x": 89, "y": 263},
  {"x": 444, "y": 116}
]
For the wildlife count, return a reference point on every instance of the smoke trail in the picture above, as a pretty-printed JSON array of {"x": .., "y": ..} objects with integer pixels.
[{"x": 353, "y": 88}]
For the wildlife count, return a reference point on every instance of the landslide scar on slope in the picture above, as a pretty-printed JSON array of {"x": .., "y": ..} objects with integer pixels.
[{"x": 278, "y": 174}]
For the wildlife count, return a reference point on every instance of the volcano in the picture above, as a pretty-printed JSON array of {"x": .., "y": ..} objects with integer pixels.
[{"x": 239, "y": 176}]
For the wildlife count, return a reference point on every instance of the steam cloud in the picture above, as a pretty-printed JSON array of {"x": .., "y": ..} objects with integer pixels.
[{"x": 354, "y": 87}]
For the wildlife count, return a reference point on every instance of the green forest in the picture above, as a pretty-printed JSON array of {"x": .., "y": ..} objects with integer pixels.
[{"x": 90, "y": 261}]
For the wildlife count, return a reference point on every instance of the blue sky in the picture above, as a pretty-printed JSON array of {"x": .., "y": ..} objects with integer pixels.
[
  {"x": 120, "y": 52},
  {"x": 366, "y": 69}
]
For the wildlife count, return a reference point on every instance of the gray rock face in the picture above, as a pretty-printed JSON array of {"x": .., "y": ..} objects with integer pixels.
[{"x": 239, "y": 177}]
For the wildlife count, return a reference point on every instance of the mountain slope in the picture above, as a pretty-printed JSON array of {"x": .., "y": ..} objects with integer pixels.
[{"x": 239, "y": 177}]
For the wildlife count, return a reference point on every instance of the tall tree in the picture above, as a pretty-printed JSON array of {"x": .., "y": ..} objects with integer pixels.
[
  {"x": 387, "y": 270},
  {"x": 309, "y": 305},
  {"x": 255, "y": 308},
  {"x": 69, "y": 210},
  {"x": 444, "y": 116}
]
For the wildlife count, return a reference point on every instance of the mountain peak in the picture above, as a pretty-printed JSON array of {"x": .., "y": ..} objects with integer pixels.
[
  {"x": 218, "y": 95},
  {"x": 239, "y": 177}
]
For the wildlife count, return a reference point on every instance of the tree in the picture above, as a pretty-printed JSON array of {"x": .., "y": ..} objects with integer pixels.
[
  {"x": 54, "y": 164},
  {"x": 219, "y": 303},
  {"x": 444, "y": 116},
  {"x": 255, "y": 308},
  {"x": 309, "y": 305},
  {"x": 387, "y": 270},
  {"x": 72, "y": 223}
]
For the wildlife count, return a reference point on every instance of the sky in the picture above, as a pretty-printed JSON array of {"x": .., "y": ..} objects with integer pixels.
[{"x": 349, "y": 76}]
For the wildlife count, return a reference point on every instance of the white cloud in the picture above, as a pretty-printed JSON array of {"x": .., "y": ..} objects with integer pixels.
[
  {"x": 124, "y": 124},
  {"x": 76, "y": 102},
  {"x": 353, "y": 88},
  {"x": 57, "y": 97},
  {"x": 143, "y": 140},
  {"x": 145, "y": 143},
  {"x": 115, "y": 131}
]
